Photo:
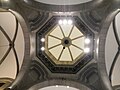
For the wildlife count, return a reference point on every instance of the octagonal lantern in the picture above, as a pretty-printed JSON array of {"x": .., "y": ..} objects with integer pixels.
[{"x": 62, "y": 46}]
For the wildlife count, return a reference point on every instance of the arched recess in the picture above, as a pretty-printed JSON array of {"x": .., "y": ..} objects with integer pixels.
[
  {"x": 100, "y": 50},
  {"x": 11, "y": 44},
  {"x": 58, "y": 82},
  {"x": 14, "y": 45},
  {"x": 112, "y": 58},
  {"x": 57, "y": 87},
  {"x": 63, "y": 6}
]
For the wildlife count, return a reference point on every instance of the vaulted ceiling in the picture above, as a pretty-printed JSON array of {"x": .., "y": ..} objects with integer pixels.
[{"x": 62, "y": 44}]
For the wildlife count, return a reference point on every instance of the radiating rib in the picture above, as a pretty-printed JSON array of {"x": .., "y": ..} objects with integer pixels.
[
  {"x": 115, "y": 32},
  {"x": 62, "y": 30},
  {"x": 55, "y": 37},
  {"x": 78, "y": 37},
  {"x": 6, "y": 54},
  {"x": 77, "y": 47},
  {"x": 113, "y": 65},
  {"x": 60, "y": 54},
  {"x": 17, "y": 62},
  {"x": 16, "y": 31},
  {"x": 6, "y": 35},
  {"x": 71, "y": 31},
  {"x": 54, "y": 46},
  {"x": 70, "y": 53}
]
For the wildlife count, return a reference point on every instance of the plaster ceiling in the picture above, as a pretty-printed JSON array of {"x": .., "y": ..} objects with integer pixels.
[
  {"x": 58, "y": 88},
  {"x": 5, "y": 21},
  {"x": 111, "y": 49},
  {"x": 63, "y": 2},
  {"x": 116, "y": 72},
  {"x": 8, "y": 66}
]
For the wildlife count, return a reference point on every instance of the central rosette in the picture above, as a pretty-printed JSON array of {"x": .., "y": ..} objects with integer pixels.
[{"x": 64, "y": 44}]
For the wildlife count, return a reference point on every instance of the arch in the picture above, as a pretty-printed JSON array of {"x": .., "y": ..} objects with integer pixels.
[
  {"x": 100, "y": 50},
  {"x": 54, "y": 82},
  {"x": 26, "y": 59},
  {"x": 62, "y": 8}
]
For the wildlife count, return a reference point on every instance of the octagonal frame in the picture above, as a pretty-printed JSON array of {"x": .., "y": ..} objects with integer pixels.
[
  {"x": 46, "y": 60},
  {"x": 68, "y": 37}
]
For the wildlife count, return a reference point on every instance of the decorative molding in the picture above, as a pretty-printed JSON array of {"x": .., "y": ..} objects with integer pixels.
[{"x": 62, "y": 68}]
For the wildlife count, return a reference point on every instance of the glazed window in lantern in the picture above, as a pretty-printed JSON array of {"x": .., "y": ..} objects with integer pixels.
[{"x": 65, "y": 43}]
